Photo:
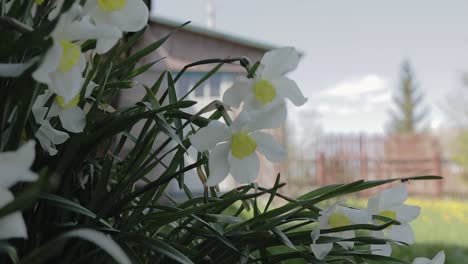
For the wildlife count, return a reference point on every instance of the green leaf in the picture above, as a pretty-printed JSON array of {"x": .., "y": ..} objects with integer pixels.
[
  {"x": 203, "y": 79},
  {"x": 221, "y": 218},
  {"x": 147, "y": 50},
  {"x": 158, "y": 246},
  {"x": 66, "y": 204},
  {"x": 10, "y": 251},
  {"x": 283, "y": 237},
  {"x": 101, "y": 240},
  {"x": 55, "y": 246}
]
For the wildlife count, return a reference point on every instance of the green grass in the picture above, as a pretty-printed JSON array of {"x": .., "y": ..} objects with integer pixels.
[{"x": 442, "y": 225}]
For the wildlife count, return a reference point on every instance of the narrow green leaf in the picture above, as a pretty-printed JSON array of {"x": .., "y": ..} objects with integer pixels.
[{"x": 158, "y": 246}]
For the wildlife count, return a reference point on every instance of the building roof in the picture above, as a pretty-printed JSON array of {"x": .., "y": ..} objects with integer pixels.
[{"x": 213, "y": 33}]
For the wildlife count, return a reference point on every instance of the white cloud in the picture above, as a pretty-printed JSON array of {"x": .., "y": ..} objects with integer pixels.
[
  {"x": 342, "y": 110},
  {"x": 368, "y": 84},
  {"x": 384, "y": 97}
]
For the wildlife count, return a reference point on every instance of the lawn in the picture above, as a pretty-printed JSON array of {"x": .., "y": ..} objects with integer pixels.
[{"x": 441, "y": 225}]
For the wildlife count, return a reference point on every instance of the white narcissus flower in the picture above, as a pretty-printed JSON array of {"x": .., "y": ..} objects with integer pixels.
[
  {"x": 122, "y": 15},
  {"x": 49, "y": 137},
  {"x": 233, "y": 149},
  {"x": 268, "y": 89},
  {"x": 72, "y": 117},
  {"x": 334, "y": 217},
  {"x": 63, "y": 64},
  {"x": 14, "y": 167},
  {"x": 390, "y": 204},
  {"x": 438, "y": 259}
]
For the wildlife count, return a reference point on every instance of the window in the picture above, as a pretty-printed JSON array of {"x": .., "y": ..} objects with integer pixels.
[
  {"x": 213, "y": 87},
  {"x": 215, "y": 84}
]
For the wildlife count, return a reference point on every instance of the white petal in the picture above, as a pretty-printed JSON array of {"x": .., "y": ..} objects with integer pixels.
[
  {"x": 64, "y": 28},
  {"x": 321, "y": 250},
  {"x": 381, "y": 249},
  {"x": 207, "y": 137},
  {"x": 57, "y": 137},
  {"x": 377, "y": 234},
  {"x": 401, "y": 233},
  {"x": 394, "y": 196},
  {"x": 38, "y": 109},
  {"x": 55, "y": 110},
  {"x": 26, "y": 154},
  {"x": 407, "y": 213},
  {"x": 277, "y": 62},
  {"x": 49, "y": 137},
  {"x": 73, "y": 119},
  {"x": 218, "y": 164},
  {"x": 15, "y": 165},
  {"x": 422, "y": 261},
  {"x": 103, "y": 45},
  {"x": 439, "y": 258},
  {"x": 238, "y": 91},
  {"x": 288, "y": 88},
  {"x": 133, "y": 17},
  {"x": 82, "y": 64},
  {"x": 356, "y": 216},
  {"x": 244, "y": 170},
  {"x": 373, "y": 205},
  {"x": 315, "y": 234},
  {"x": 14, "y": 69},
  {"x": 242, "y": 122},
  {"x": 90, "y": 88},
  {"x": 85, "y": 29},
  {"x": 67, "y": 84},
  {"x": 323, "y": 221},
  {"x": 89, "y": 6},
  {"x": 273, "y": 117},
  {"x": 266, "y": 144},
  {"x": 346, "y": 235},
  {"x": 49, "y": 64},
  {"x": 12, "y": 225}
]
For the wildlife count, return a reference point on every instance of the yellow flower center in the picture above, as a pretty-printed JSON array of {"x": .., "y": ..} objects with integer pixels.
[
  {"x": 112, "y": 5},
  {"x": 242, "y": 145},
  {"x": 70, "y": 55},
  {"x": 72, "y": 103},
  {"x": 338, "y": 220},
  {"x": 388, "y": 214},
  {"x": 39, "y": 2},
  {"x": 264, "y": 91}
]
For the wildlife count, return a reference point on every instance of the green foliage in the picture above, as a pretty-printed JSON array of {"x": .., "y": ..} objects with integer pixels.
[
  {"x": 410, "y": 114},
  {"x": 92, "y": 185}
]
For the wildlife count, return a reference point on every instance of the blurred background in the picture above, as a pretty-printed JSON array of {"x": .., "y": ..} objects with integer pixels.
[{"x": 387, "y": 83}]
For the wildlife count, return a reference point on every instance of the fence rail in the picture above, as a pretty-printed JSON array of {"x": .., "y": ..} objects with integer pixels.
[{"x": 344, "y": 158}]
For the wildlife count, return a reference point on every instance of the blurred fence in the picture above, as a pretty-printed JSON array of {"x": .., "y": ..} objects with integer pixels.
[{"x": 349, "y": 157}]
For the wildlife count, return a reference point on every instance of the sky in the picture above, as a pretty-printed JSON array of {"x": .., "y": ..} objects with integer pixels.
[{"x": 353, "y": 51}]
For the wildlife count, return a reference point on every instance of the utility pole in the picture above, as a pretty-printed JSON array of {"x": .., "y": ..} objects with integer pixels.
[{"x": 210, "y": 13}]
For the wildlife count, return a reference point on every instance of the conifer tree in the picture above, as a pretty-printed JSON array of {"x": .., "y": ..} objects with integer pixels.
[{"x": 409, "y": 114}]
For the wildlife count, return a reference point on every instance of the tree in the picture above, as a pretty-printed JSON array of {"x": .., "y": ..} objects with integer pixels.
[{"x": 410, "y": 113}]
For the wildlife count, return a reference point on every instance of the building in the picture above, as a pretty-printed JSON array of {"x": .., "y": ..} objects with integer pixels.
[{"x": 190, "y": 44}]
